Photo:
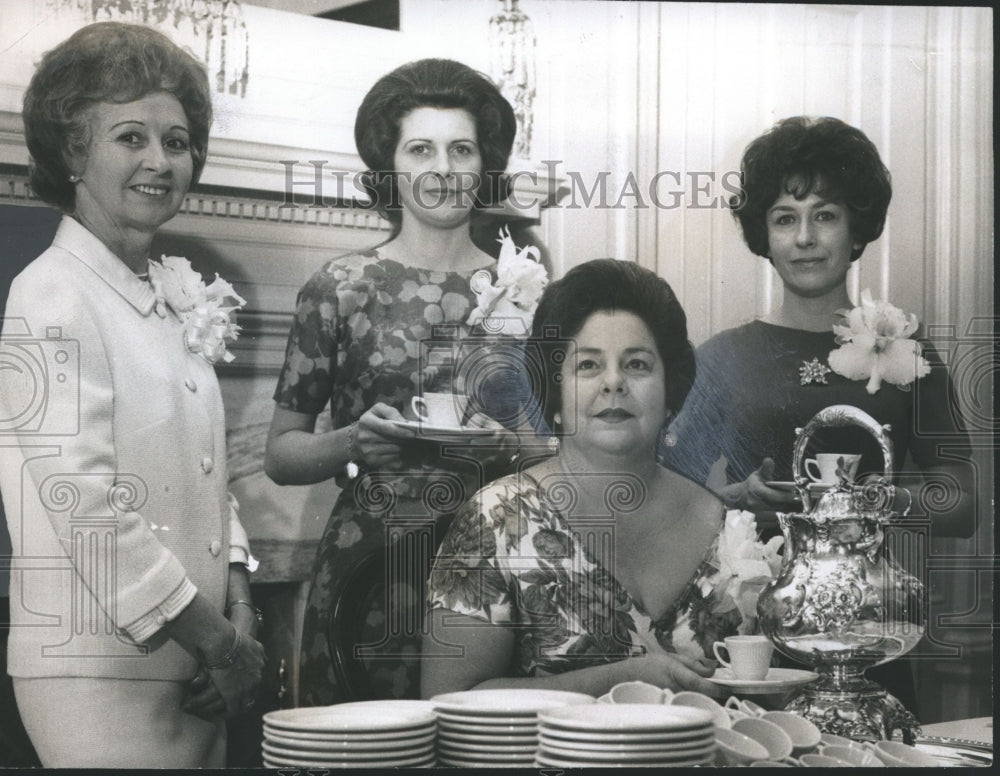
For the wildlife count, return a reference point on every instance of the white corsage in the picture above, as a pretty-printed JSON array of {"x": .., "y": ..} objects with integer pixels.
[
  {"x": 204, "y": 310},
  {"x": 745, "y": 565},
  {"x": 507, "y": 306},
  {"x": 875, "y": 345}
]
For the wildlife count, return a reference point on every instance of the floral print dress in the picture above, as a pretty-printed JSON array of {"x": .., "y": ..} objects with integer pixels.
[
  {"x": 366, "y": 330},
  {"x": 511, "y": 558}
]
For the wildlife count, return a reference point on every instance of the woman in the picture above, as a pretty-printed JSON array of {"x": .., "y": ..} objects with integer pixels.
[
  {"x": 594, "y": 566},
  {"x": 132, "y": 635},
  {"x": 815, "y": 193},
  {"x": 374, "y": 329}
]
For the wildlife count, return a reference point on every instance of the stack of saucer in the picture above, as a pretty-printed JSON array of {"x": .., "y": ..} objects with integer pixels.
[
  {"x": 631, "y": 735},
  {"x": 368, "y": 734},
  {"x": 494, "y": 728}
]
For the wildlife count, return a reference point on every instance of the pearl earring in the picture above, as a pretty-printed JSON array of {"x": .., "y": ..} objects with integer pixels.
[
  {"x": 557, "y": 418},
  {"x": 75, "y": 179}
]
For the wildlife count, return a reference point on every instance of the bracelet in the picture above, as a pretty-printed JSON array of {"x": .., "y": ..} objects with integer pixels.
[
  {"x": 257, "y": 612},
  {"x": 352, "y": 467},
  {"x": 229, "y": 659}
]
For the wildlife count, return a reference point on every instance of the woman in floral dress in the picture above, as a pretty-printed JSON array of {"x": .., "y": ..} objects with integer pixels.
[
  {"x": 375, "y": 328},
  {"x": 596, "y": 565},
  {"x": 815, "y": 193}
]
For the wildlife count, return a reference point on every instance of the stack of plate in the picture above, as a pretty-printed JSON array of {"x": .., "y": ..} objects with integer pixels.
[
  {"x": 631, "y": 735},
  {"x": 494, "y": 728},
  {"x": 368, "y": 734}
]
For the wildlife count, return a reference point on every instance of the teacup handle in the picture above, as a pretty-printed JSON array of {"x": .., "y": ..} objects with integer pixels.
[
  {"x": 419, "y": 407},
  {"x": 811, "y": 465},
  {"x": 715, "y": 648}
]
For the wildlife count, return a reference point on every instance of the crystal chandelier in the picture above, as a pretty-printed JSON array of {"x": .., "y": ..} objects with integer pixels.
[
  {"x": 512, "y": 57},
  {"x": 212, "y": 30}
]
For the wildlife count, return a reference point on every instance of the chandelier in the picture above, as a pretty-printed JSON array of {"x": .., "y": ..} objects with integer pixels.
[
  {"x": 212, "y": 30},
  {"x": 512, "y": 57}
]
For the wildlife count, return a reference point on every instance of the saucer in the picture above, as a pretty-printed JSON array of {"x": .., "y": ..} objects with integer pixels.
[
  {"x": 777, "y": 680},
  {"x": 788, "y": 487},
  {"x": 443, "y": 433}
]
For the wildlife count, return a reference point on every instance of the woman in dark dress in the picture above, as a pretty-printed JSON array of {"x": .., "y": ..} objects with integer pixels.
[
  {"x": 815, "y": 193},
  {"x": 375, "y": 328}
]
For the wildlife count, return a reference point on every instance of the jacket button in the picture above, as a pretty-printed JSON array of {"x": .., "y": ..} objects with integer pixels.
[
  {"x": 207, "y": 465},
  {"x": 191, "y": 385},
  {"x": 215, "y": 548},
  {"x": 161, "y": 620}
]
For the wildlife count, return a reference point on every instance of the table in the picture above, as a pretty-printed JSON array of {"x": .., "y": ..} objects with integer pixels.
[{"x": 976, "y": 729}]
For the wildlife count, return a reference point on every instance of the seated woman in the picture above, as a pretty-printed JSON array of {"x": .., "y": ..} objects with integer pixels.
[{"x": 596, "y": 565}]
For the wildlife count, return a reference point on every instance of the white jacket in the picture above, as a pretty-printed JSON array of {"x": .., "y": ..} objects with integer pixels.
[{"x": 112, "y": 470}]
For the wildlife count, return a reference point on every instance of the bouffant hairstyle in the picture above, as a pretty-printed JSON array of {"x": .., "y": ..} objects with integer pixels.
[
  {"x": 608, "y": 285},
  {"x": 432, "y": 83},
  {"x": 105, "y": 62},
  {"x": 801, "y": 156}
]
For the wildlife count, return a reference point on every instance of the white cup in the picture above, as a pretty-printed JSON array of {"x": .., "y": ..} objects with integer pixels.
[
  {"x": 823, "y": 468},
  {"x": 440, "y": 409},
  {"x": 804, "y": 734},
  {"x": 701, "y": 701},
  {"x": 749, "y": 656},
  {"x": 734, "y": 748},
  {"x": 635, "y": 692},
  {"x": 899, "y": 755},
  {"x": 770, "y": 736},
  {"x": 858, "y": 757}
]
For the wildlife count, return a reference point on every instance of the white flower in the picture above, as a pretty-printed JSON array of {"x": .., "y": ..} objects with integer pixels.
[
  {"x": 204, "y": 310},
  {"x": 745, "y": 565},
  {"x": 875, "y": 345},
  {"x": 508, "y": 306}
]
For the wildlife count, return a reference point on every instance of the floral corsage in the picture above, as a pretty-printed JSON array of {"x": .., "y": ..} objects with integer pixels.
[
  {"x": 204, "y": 310},
  {"x": 507, "y": 306},
  {"x": 745, "y": 565},
  {"x": 875, "y": 345}
]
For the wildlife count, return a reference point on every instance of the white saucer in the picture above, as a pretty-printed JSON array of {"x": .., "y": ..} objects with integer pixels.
[
  {"x": 514, "y": 702},
  {"x": 787, "y": 487},
  {"x": 777, "y": 680},
  {"x": 443, "y": 433}
]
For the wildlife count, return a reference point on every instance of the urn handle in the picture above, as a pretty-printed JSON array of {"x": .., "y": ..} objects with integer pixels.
[{"x": 840, "y": 415}]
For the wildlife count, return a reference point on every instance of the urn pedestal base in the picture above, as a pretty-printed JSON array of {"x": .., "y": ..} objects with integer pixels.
[{"x": 864, "y": 713}]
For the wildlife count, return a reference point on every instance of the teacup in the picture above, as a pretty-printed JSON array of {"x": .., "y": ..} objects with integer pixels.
[
  {"x": 734, "y": 748},
  {"x": 700, "y": 701},
  {"x": 804, "y": 734},
  {"x": 770, "y": 736},
  {"x": 822, "y": 761},
  {"x": 832, "y": 739},
  {"x": 446, "y": 410},
  {"x": 749, "y": 656},
  {"x": 635, "y": 692},
  {"x": 853, "y": 755},
  {"x": 900, "y": 755},
  {"x": 823, "y": 468}
]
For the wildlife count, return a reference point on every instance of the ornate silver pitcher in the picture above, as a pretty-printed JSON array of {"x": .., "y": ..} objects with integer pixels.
[{"x": 839, "y": 603}]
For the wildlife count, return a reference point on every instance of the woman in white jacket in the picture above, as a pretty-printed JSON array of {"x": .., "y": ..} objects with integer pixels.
[{"x": 132, "y": 632}]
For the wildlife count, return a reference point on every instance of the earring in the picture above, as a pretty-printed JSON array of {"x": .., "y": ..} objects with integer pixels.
[
  {"x": 557, "y": 418},
  {"x": 553, "y": 444},
  {"x": 75, "y": 179},
  {"x": 667, "y": 438}
]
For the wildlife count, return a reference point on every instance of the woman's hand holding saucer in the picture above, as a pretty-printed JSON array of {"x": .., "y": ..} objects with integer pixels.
[
  {"x": 377, "y": 438},
  {"x": 755, "y": 495},
  {"x": 676, "y": 671}
]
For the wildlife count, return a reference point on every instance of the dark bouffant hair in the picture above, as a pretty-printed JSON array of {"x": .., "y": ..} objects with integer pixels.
[
  {"x": 432, "y": 83},
  {"x": 105, "y": 62},
  {"x": 609, "y": 285},
  {"x": 803, "y": 155}
]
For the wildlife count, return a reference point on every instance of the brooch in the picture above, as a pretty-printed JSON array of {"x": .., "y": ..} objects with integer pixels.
[{"x": 813, "y": 372}]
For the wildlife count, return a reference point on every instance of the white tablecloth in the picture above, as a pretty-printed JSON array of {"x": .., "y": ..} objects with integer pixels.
[{"x": 977, "y": 729}]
